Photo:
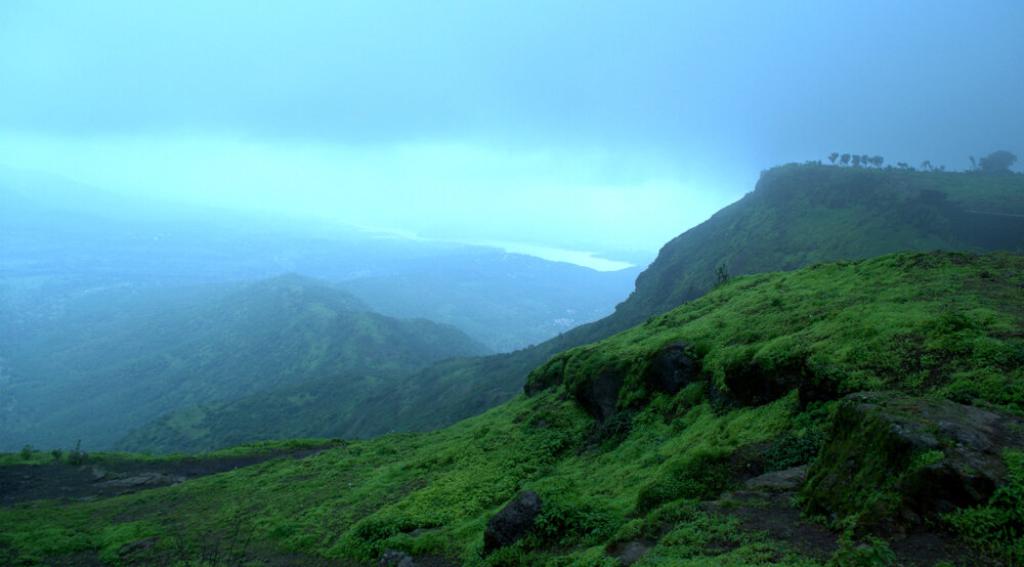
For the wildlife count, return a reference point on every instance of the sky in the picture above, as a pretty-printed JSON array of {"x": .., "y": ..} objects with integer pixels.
[{"x": 598, "y": 126}]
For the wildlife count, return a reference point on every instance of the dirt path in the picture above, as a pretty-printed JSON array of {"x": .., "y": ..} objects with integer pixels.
[{"x": 111, "y": 477}]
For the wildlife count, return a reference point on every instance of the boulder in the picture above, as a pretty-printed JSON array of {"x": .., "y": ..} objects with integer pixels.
[
  {"x": 786, "y": 480},
  {"x": 671, "y": 369},
  {"x": 600, "y": 395},
  {"x": 899, "y": 461},
  {"x": 513, "y": 522}
]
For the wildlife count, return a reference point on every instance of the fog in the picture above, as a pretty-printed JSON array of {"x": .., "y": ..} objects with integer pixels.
[{"x": 594, "y": 126}]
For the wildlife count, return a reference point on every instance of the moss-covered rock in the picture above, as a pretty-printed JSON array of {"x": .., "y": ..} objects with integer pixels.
[{"x": 893, "y": 461}]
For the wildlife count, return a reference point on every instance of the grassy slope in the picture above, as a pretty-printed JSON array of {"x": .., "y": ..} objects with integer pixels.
[
  {"x": 114, "y": 363},
  {"x": 796, "y": 216},
  {"x": 882, "y": 323}
]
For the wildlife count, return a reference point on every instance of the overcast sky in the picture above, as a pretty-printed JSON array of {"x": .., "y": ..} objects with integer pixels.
[{"x": 579, "y": 124}]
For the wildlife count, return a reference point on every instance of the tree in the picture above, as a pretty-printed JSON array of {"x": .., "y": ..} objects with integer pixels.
[
  {"x": 926, "y": 165},
  {"x": 998, "y": 162},
  {"x": 832, "y": 157},
  {"x": 856, "y": 161},
  {"x": 974, "y": 163},
  {"x": 845, "y": 159},
  {"x": 865, "y": 159},
  {"x": 877, "y": 161},
  {"x": 902, "y": 165}
]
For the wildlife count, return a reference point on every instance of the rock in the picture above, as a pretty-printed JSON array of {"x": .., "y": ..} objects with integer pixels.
[
  {"x": 671, "y": 369},
  {"x": 393, "y": 558},
  {"x": 600, "y": 396},
  {"x": 513, "y": 522},
  {"x": 751, "y": 384},
  {"x": 899, "y": 461},
  {"x": 787, "y": 480}
]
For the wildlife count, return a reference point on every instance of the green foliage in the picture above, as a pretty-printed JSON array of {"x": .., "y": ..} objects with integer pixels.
[
  {"x": 700, "y": 475},
  {"x": 26, "y": 452},
  {"x": 998, "y": 526},
  {"x": 939, "y": 323}
]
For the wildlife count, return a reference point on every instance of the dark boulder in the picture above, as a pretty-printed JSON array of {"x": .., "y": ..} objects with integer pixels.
[
  {"x": 671, "y": 369},
  {"x": 752, "y": 384},
  {"x": 513, "y": 522},
  {"x": 899, "y": 461},
  {"x": 599, "y": 396}
]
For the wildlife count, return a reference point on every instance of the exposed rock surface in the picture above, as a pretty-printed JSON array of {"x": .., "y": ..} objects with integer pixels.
[
  {"x": 787, "y": 480},
  {"x": 513, "y": 522},
  {"x": 600, "y": 396},
  {"x": 900, "y": 460},
  {"x": 671, "y": 369}
]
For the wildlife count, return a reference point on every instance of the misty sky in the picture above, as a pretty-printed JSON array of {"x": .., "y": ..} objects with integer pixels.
[{"x": 579, "y": 124}]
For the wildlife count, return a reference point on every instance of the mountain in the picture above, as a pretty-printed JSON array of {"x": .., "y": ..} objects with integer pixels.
[
  {"x": 850, "y": 413},
  {"x": 506, "y": 301},
  {"x": 60, "y": 239},
  {"x": 797, "y": 215},
  {"x": 117, "y": 358}
]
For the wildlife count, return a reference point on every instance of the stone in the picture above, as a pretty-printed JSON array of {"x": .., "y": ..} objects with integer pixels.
[
  {"x": 512, "y": 522},
  {"x": 671, "y": 369},
  {"x": 933, "y": 456}
]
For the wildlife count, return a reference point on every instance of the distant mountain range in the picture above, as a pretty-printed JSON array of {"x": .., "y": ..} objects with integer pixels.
[{"x": 114, "y": 361}]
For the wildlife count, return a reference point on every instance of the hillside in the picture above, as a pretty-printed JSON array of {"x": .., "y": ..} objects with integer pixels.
[
  {"x": 797, "y": 215},
  {"x": 118, "y": 358},
  {"x": 880, "y": 398}
]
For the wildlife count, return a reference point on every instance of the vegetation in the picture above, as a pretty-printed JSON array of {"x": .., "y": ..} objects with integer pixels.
[
  {"x": 115, "y": 362},
  {"x": 942, "y": 325}
]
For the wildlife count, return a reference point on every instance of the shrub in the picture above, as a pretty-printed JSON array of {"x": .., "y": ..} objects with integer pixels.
[
  {"x": 26, "y": 452},
  {"x": 702, "y": 475}
]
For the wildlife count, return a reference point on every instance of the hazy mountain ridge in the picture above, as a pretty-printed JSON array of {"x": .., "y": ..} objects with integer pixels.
[
  {"x": 63, "y": 239},
  {"x": 97, "y": 372}
]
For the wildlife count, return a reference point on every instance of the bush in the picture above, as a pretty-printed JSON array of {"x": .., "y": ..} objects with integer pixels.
[
  {"x": 703, "y": 475},
  {"x": 57, "y": 454},
  {"x": 26, "y": 452}
]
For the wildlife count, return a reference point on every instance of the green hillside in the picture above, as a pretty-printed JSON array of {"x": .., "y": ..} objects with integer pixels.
[
  {"x": 796, "y": 216},
  {"x": 683, "y": 441},
  {"x": 118, "y": 358}
]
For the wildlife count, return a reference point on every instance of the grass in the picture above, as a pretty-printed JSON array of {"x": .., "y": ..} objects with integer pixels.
[{"x": 917, "y": 323}]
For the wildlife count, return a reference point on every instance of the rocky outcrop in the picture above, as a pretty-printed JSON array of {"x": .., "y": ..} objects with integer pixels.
[
  {"x": 897, "y": 461},
  {"x": 599, "y": 396},
  {"x": 671, "y": 369},
  {"x": 513, "y": 522}
]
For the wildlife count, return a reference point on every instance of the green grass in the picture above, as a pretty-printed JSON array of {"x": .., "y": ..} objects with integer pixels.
[{"x": 918, "y": 323}]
